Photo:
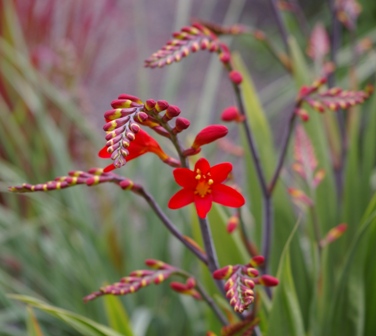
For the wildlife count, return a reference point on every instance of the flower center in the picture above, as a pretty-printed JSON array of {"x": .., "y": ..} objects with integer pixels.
[{"x": 203, "y": 183}]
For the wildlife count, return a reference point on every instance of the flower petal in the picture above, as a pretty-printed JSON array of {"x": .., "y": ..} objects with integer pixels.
[
  {"x": 227, "y": 196},
  {"x": 203, "y": 205},
  {"x": 185, "y": 178},
  {"x": 203, "y": 165},
  {"x": 220, "y": 172},
  {"x": 103, "y": 153},
  {"x": 181, "y": 199},
  {"x": 109, "y": 168}
]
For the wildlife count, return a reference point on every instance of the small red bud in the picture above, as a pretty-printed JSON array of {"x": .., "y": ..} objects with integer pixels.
[
  {"x": 161, "y": 105},
  {"x": 257, "y": 261},
  {"x": 232, "y": 224},
  {"x": 268, "y": 280},
  {"x": 181, "y": 124},
  {"x": 231, "y": 113},
  {"x": 235, "y": 77}
]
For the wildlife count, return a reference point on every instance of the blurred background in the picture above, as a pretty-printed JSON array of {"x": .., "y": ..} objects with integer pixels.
[{"x": 61, "y": 64}]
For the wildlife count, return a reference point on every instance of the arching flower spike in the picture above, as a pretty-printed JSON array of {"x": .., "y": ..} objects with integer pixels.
[
  {"x": 143, "y": 143},
  {"x": 203, "y": 185}
]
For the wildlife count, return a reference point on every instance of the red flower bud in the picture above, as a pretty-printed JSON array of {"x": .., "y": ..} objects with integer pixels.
[
  {"x": 161, "y": 105},
  {"x": 181, "y": 124},
  {"x": 232, "y": 224},
  {"x": 209, "y": 134},
  {"x": 232, "y": 114},
  {"x": 235, "y": 77},
  {"x": 224, "y": 272},
  {"x": 257, "y": 261},
  {"x": 268, "y": 280},
  {"x": 130, "y": 97}
]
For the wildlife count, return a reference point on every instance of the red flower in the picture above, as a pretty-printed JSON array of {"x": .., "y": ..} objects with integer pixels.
[
  {"x": 143, "y": 143},
  {"x": 203, "y": 186}
]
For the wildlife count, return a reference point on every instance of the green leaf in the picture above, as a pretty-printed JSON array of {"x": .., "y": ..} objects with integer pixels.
[
  {"x": 33, "y": 327},
  {"x": 347, "y": 313},
  {"x": 117, "y": 315},
  {"x": 285, "y": 317},
  {"x": 83, "y": 325},
  {"x": 229, "y": 247}
]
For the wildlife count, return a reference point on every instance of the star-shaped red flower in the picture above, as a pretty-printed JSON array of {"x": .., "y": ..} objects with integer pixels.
[{"x": 203, "y": 186}]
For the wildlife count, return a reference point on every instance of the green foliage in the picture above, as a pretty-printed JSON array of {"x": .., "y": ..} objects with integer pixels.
[{"x": 58, "y": 247}]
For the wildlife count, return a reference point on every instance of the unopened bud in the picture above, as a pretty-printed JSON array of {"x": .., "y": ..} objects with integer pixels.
[{"x": 235, "y": 77}]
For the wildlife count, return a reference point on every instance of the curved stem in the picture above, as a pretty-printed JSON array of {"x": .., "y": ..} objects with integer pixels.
[
  {"x": 210, "y": 251},
  {"x": 316, "y": 228},
  {"x": 251, "y": 142},
  {"x": 175, "y": 141},
  {"x": 281, "y": 26},
  {"x": 282, "y": 155},
  {"x": 167, "y": 223},
  {"x": 267, "y": 231},
  {"x": 251, "y": 248},
  {"x": 335, "y": 43}
]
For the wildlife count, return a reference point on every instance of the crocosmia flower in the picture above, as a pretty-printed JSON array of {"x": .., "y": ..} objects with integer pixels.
[{"x": 203, "y": 186}]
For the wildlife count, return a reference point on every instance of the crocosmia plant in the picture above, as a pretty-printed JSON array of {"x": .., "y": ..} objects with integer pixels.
[{"x": 279, "y": 228}]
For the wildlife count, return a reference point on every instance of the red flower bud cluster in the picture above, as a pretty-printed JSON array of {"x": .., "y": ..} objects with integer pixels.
[
  {"x": 137, "y": 280},
  {"x": 331, "y": 99},
  {"x": 241, "y": 279},
  {"x": 125, "y": 138},
  {"x": 334, "y": 234},
  {"x": 92, "y": 177}
]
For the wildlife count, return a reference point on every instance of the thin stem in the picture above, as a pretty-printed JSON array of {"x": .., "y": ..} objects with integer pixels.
[
  {"x": 167, "y": 223},
  {"x": 282, "y": 155},
  {"x": 211, "y": 304},
  {"x": 281, "y": 26},
  {"x": 210, "y": 251},
  {"x": 267, "y": 232},
  {"x": 335, "y": 42},
  {"x": 175, "y": 141},
  {"x": 251, "y": 142},
  {"x": 301, "y": 18},
  {"x": 316, "y": 228},
  {"x": 245, "y": 237}
]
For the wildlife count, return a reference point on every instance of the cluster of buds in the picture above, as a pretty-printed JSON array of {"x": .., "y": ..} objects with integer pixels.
[
  {"x": 347, "y": 12},
  {"x": 138, "y": 279},
  {"x": 190, "y": 39},
  {"x": 331, "y": 99},
  {"x": 198, "y": 36},
  {"x": 125, "y": 138},
  {"x": 241, "y": 279},
  {"x": 306, "y": 166},
  {"x": 305, "y": 163},
  {"x": 333, "y": 234},
  {"x": 122, "y": 125},
  {"x": 92, "y": 177}
]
